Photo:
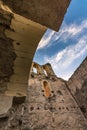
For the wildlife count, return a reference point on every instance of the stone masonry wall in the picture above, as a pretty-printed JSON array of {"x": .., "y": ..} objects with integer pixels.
[
  {"x": 49, "y": 105},
  {"x": 78, "y": 86}
]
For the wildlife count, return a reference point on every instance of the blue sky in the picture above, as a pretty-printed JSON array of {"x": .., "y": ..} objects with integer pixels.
[{"x": 67, "y": 48}]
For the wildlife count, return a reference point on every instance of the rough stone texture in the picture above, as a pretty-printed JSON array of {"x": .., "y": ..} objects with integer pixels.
[
  {"x": 7, "y": 57},
  {"x": 14, "y": 119},
  {"x": 46, "y": 12},
  {"x": 3, "y": 86},
  {"x": 78, "y": 86},
  {"x": 26, "y": 36},
  {"x": 7, "y": 54},
  {"x": 50, "y": 105},
  {"x": 19, "y": 38},
  {"x": 5, "y": 105}
]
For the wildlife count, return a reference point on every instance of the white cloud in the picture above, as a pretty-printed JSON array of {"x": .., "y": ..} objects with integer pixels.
[
  {"x": 72, "y": 30},
  {"x": 45, "y": 40},
  {"x": 66, "y": 32},
  {"x": 62, "y": 61}
]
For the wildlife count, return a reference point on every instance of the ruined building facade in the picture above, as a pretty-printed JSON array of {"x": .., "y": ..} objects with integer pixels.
[
  {"x": 51, "y": 102},
  {"x": 52, "y": 106}
]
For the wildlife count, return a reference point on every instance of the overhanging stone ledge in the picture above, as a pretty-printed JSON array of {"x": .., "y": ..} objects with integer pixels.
[{"x": 46, "y": 12}]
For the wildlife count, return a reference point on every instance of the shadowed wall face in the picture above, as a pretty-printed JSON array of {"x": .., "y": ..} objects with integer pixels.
[
  {"x": 19, "y": 38},
  {"x": 46, "y": 12},
  {"x": 78, "y": 86}
]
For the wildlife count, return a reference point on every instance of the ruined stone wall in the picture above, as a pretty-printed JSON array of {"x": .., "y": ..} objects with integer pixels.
[
  {"x": 78, "y": 86},
  {"x": 51, "y": 105},
  {"x": 7, "y": 54},
  {"x": 19, "y": 38}
]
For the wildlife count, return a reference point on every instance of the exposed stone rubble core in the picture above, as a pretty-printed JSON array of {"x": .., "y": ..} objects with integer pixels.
[
  {"x": 7, "y": 54},
  {"x": 46, "y": 12},
  {"x": 78, "y": 86},
  {"x": 5, "y": 105},
  {"x": 7, "y": 57}
]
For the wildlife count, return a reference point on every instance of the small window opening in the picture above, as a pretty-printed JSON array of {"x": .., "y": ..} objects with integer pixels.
[
  {"x": 45, "y": 72},
  {"x": 34, "y": 70}
]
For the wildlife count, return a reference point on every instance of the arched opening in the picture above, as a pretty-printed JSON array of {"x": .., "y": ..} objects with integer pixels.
[
  {"x": 34, "y": 70},
  {"x": 48, "y": 69},
  {"x": 46, "y": 88},
  {"x": 45, "y": 72}
]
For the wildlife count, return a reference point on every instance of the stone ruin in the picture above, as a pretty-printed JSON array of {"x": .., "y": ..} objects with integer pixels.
[
  {"x": 46, "y": 102},
  {"x": 51, "y": 103}
]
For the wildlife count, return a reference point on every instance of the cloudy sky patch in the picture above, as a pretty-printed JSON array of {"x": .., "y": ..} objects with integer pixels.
[
  {"x": 63, "y": 60},
  {"x": 67, "y": 48}
]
